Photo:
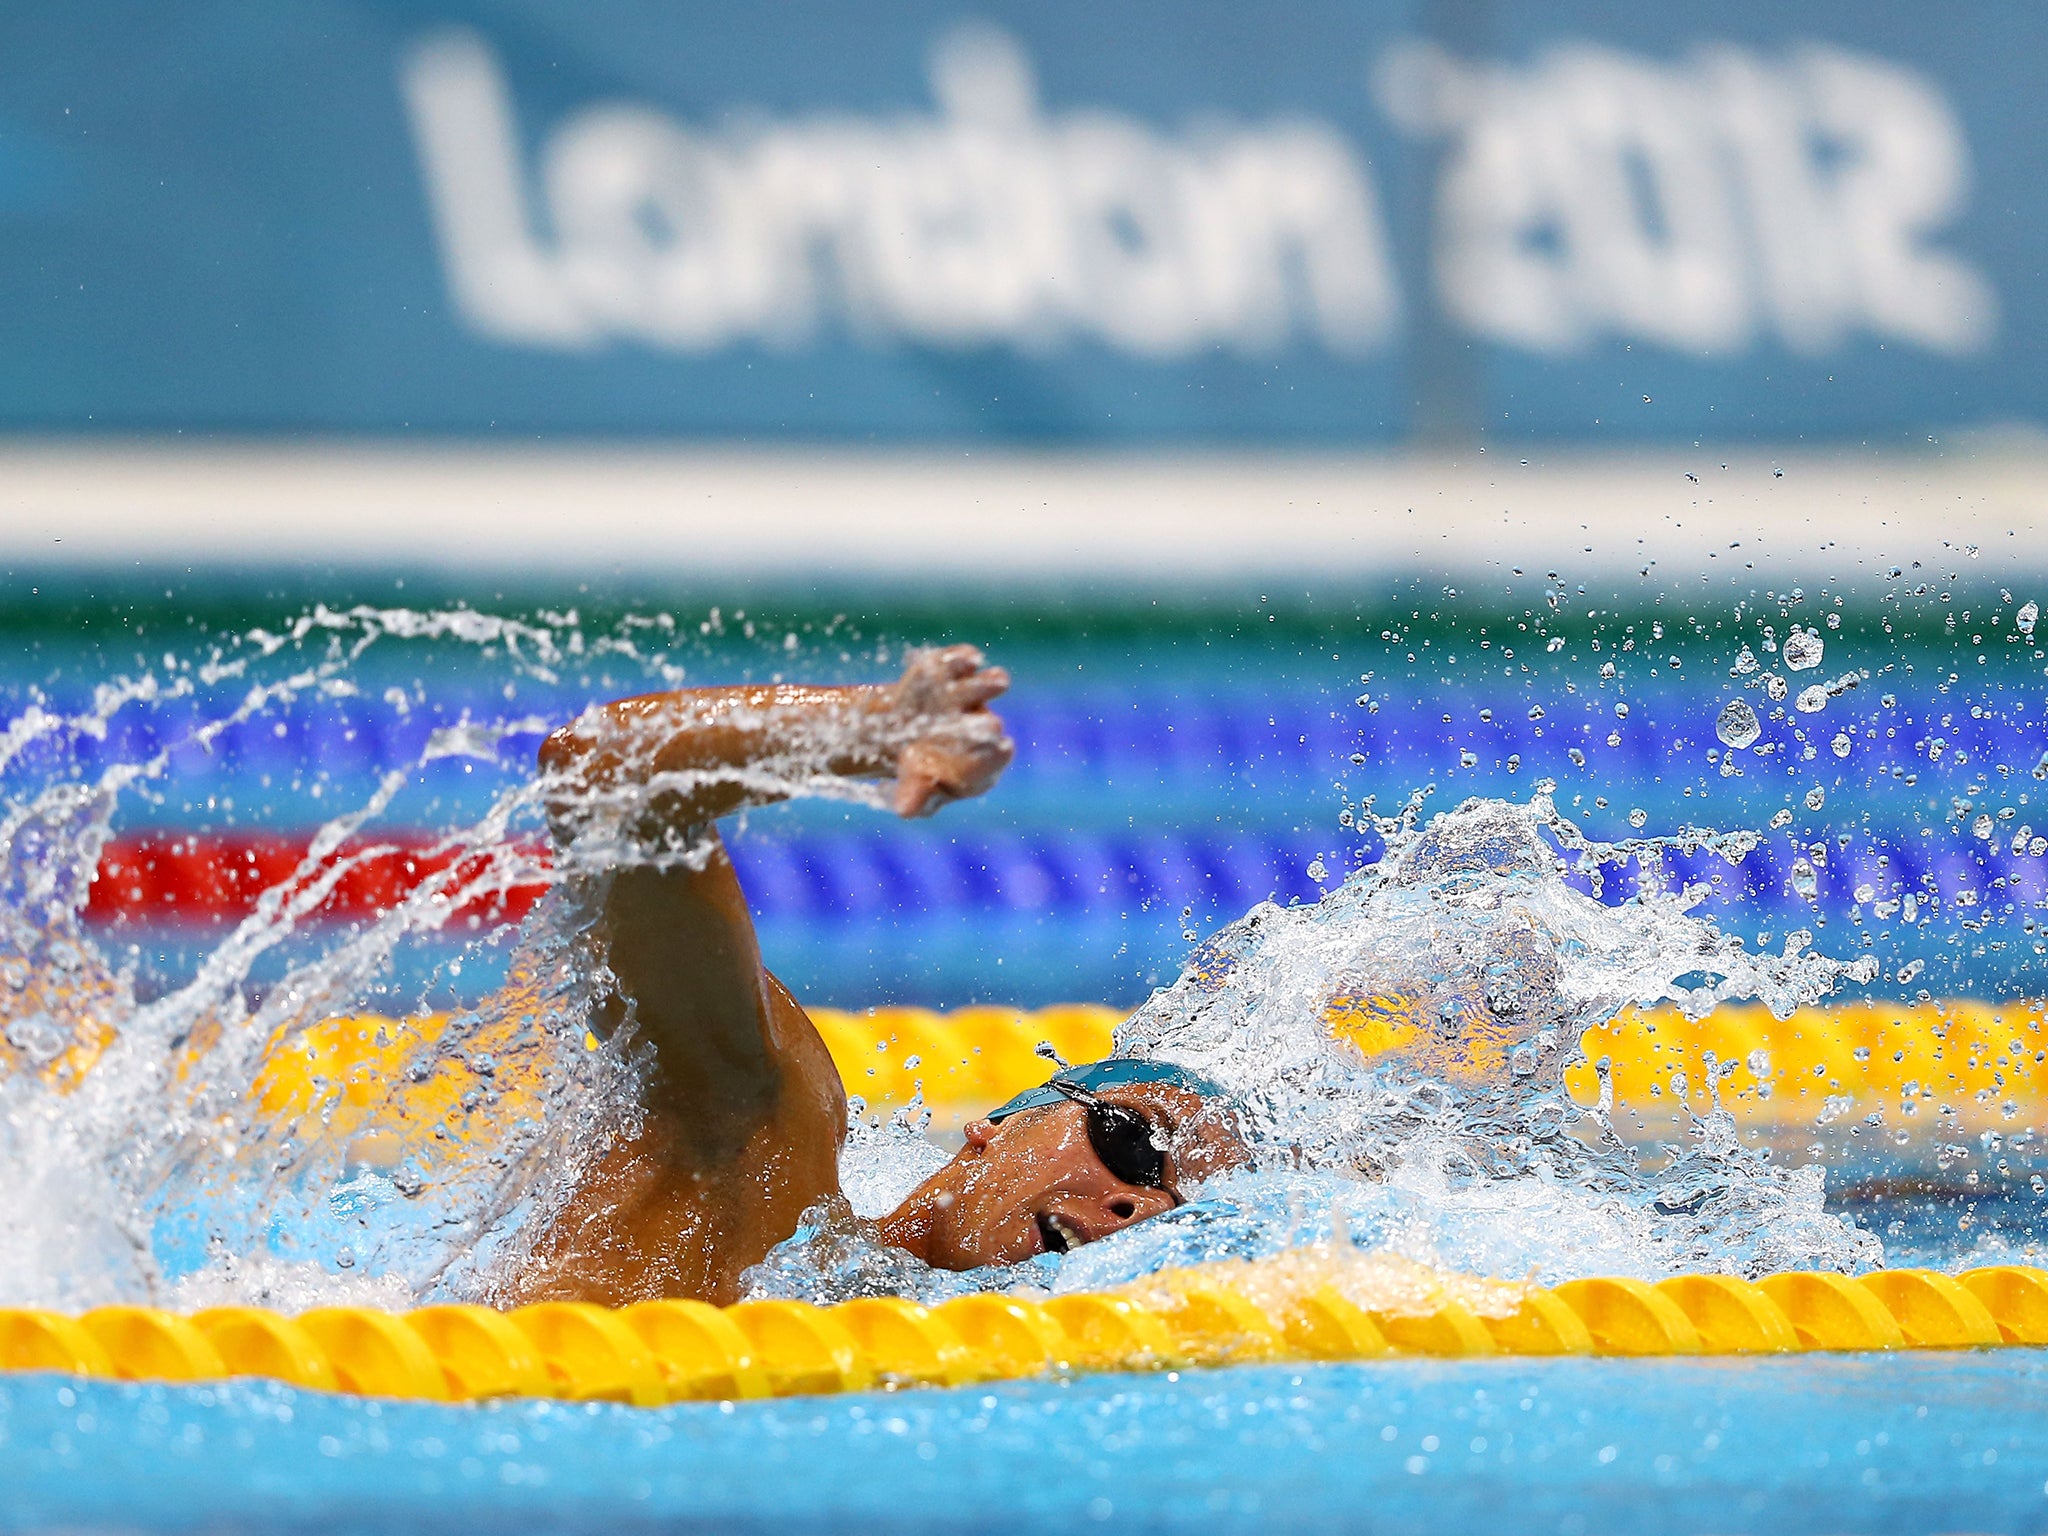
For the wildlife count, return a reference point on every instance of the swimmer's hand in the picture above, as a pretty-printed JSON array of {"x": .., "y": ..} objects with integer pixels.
[
  {"x": 956, "y": 748},
  {"x": 708, "y": 752}
]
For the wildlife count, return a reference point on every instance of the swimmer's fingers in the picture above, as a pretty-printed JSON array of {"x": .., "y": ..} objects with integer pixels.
[
  {"x": 933, "y": 773},
  {"x": 978, "y": 687},
  {"x": 952, "y": 679}
]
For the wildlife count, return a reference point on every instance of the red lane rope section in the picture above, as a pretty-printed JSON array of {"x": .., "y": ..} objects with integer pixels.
[{"x": 216, "y": 877}]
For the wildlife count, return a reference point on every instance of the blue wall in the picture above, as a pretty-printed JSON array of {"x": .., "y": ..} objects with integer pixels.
[{"x": 1321, "y": 223}]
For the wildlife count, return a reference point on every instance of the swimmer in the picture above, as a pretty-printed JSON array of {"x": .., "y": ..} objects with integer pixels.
[{"x": 742, "y": 1109}]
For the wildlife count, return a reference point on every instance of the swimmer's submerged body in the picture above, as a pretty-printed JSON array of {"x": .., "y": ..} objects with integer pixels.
[{"x": 743, "y": 1113}]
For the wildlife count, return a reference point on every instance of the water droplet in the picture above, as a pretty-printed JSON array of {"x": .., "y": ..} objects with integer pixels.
[
  {"x": 1621, "y": 711},
  {"x": 1468, "y": 759},
  {"x": 1638, "y": 817},
  {"x": 1811, "y": 701},
  {"x": 2028, "y": 616},
  {"x": 1865, "y": 891},
  {"x": 1578, "y": 758},
  {"x": 1981, "y": 828},
  {"x": 1803, "y": 880},
  {"x": 1841, "y": 744},
  {"x": 1803, "y": 648},
  {"x": 1737, "y": 725},
  {"x": 1816, "y": 798},
  {"x": 1535, "y": 711},
  {"x": 1775, "y": 687},
  {"x": 1318, "y": 871},
  {"x": 1780, "y": 820},
  {"x": 1607, "y": 669},
  {"x": 1556, "y": 643},
  {"x": 1745, "y": 663}
]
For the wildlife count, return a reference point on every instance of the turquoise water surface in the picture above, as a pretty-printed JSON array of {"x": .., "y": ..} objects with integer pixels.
[{"x": 1871, "y": 1443}]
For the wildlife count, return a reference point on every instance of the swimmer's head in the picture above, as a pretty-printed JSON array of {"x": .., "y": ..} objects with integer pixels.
[{"x": 1096, "y": 1150}]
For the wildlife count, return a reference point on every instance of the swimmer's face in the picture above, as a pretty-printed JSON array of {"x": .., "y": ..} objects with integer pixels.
[{"x": 1036, "y": 1183}]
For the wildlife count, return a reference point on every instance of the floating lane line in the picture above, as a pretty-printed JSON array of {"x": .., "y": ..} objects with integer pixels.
[{"x": 658, "y": 1352}]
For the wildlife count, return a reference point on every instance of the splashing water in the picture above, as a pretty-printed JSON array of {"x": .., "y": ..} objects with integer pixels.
[
  {"x": 1398, "y": 1048},
  {"x": 184, "y": 1147},
  {"x": 1399, "y": 1052}
]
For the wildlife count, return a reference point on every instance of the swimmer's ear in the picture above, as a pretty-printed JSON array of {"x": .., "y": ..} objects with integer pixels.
[{"x": 979, "y": 1133}]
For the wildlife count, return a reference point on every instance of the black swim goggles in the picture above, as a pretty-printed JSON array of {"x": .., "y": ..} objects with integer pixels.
[{"x": 1126, "y": 1142}]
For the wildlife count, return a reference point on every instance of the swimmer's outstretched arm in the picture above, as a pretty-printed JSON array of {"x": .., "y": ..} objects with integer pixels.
[
  {"x": 744, "y": 1112},
  {"x": 714, "y": 751}
]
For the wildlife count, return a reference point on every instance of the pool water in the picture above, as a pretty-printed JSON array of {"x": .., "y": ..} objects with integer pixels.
[
  {"x": 1884, "y": 837},
  {"x": 1871, "y": 1443}
]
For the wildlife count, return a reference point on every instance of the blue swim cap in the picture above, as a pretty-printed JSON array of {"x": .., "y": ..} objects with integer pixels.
[{"x": 1112, "y": 1072}]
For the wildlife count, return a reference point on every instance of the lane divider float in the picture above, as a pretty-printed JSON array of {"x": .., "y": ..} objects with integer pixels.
[
  {"x": 1951, "y": 1066},
  {"x": 659, "y": 1352},
  {"x": 1963, "y": 1058}
]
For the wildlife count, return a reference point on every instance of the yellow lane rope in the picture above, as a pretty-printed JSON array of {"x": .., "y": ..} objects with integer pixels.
[
  {"x": 1984, "y": 1062},
  {"x": 1977, "y": 1064},
  {"x": 1296, "y": 1308}
]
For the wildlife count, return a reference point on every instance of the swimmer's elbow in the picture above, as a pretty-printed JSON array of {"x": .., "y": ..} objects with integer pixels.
[
  {"x": 562, "y": 751},
  {"x": 567, "y": 773}
]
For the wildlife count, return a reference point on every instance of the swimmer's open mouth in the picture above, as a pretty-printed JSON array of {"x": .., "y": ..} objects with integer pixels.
[{"x": 1058, "y": 1234}]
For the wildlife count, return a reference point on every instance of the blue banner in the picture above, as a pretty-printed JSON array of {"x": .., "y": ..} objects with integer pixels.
[{"x": 1325, "y": 224}]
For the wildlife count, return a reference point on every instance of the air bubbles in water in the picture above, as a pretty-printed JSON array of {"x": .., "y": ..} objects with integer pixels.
[
  {"x": 1804, "y": 880},
  {"x": 1841, "y": 745},
  {"x": 2028, "y": 616},
  {"x": 1816, "y": 798},
  {"x": 1638, "y": 817},
  {"x": 1803, "y": 649},
  {"x": 1737, "y": 725},
  {"x": 1811, "y": 701}
]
